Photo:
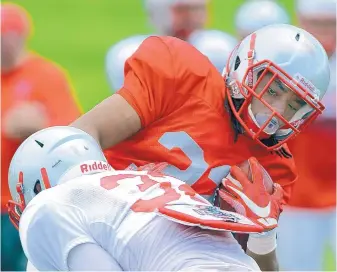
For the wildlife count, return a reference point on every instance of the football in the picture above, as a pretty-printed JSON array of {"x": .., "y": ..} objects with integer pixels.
[{"x": 245, "y": 167}]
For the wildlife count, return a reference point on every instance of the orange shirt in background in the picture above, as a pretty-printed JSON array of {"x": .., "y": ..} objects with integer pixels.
[
  {"x": 40, "y": 80},
  {"x": 314, "y": 152}
]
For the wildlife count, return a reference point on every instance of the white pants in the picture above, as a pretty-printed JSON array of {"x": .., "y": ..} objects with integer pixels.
[{"x": 303, "y": 236}]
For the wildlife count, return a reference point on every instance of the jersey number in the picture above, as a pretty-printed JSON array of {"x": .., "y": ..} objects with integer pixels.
[
  {"x": 195, "y": 154},
  {"x": 150, "y": 205}
]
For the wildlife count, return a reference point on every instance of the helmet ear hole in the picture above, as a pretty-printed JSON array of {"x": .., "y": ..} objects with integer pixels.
[
  {"x": 237, "y": 63},
  {"x": 37, "y": 187},
  {"x": 297, "y": 37}
]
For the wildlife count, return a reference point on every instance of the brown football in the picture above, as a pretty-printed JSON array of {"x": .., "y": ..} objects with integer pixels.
[{"x": 244, "y": 166}]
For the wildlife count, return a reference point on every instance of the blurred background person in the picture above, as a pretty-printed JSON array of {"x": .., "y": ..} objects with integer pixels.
[
  {"x": 34, "y": 94},
  {"x": 116, "y": 57},
  {"x": 308, "y": 223},
  {"x": 177, "y": 18},
  {"x": 215, "y": 44},
  {"x": 184, "y": 19},
  {"x": 256, "y": 14}
]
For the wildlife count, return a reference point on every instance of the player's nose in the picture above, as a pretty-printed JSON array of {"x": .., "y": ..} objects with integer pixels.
[{"x": 280, "y": 106}]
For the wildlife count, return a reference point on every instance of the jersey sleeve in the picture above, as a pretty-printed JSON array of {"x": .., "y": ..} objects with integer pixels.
[
  {"x": 49, "y": 231},
  {"x": 282, "y": 170},
  {"x": 160, "y": 76}
]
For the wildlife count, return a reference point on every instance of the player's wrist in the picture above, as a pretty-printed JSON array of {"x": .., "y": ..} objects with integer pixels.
[{"x": 262, "y": 243}]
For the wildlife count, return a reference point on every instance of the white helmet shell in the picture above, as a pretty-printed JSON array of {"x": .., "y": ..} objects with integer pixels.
[
  {"x": 291, "y": 48},
  {"x": 214, "y": 44},
  {"x": 291, "y": 53},
  {"x": 56, "y": 150},
  {"x": 116, "y": 58},
  {"x": 253, "y": 15}
]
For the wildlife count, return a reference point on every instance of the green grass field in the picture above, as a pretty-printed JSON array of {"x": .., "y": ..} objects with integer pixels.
[{"x": 77, "y": 33}]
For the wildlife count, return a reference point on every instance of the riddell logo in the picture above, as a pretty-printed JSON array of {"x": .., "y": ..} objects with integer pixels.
[
  {"x": 250, "y": 78},
  {"x": 88, "y": 167},
  {"x": 308, "y": 85}
]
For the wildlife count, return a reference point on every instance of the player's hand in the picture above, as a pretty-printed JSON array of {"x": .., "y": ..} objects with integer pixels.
[
  {"x": 250, "y": 197},
  {"x": 24, "y": 119}
]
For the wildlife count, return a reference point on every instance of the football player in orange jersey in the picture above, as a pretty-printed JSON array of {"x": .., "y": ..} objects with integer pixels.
[
  {"x": 312, "y": 208},
  {"x": 177, "y": 108}
]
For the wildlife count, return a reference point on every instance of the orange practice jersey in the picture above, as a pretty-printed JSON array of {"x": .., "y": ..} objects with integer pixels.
[
  {"x": 179, "y": 96},
  {"x": 38, "y": 80},
  {"x": 315, "y": 156}
]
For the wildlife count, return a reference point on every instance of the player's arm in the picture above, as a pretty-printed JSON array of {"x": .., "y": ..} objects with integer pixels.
[
  {"x": 49, "y": 231},
  {"x": 91, "y": 257},
  {"x": 110, "y": 122},
  {"x": 282, "y": 170},
  {"x": 261, "y": 247},
  {"x": 266, "y": 262},
  {"x": 260, "y": 200},
  {"x": 147, "y": 95}
]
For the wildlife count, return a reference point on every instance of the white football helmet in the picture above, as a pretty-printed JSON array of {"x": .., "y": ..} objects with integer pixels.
[
  {"x": 253, "y": 15},
  {"x": 47, "y": 158},
  {"x": 289, "y": 57},
  {"x": 214, "y": 44},
  {"x": 116, "y": 58}
]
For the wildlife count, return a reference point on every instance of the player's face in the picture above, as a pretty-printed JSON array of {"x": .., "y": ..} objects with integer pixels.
[
  {"x": 282, "y": 99},
  {"x": 188, "y": 18},
  {"x": 324, "y": 29},
  {"x": 12, "y": 46}
]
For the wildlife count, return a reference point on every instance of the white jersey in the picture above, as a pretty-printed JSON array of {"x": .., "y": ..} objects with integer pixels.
[{"x": 113, "y": 210}]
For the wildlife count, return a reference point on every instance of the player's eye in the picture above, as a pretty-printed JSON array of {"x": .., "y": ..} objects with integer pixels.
[
  {"x": 292, "y": 107},
  {"x": 271, "y": 92}
]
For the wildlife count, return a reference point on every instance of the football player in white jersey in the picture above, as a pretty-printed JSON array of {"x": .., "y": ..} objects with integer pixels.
[{"x": 92, "y": 217}]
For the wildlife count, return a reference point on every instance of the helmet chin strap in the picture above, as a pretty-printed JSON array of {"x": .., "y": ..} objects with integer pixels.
[{"x": 85, "y": 168}]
